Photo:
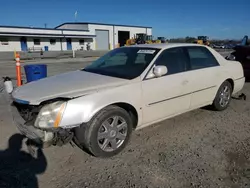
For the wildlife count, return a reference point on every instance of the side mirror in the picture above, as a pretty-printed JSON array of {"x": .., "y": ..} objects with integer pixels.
[{"x": 160, "y": 70}]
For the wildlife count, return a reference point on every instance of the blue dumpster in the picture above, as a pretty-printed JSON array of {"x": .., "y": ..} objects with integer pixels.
[
  {"x": 35, "y": 72},
  {"x": 46, "y": 48}
]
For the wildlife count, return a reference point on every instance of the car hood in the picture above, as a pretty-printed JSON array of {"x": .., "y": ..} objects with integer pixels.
[{"x": 67, "y": 85}]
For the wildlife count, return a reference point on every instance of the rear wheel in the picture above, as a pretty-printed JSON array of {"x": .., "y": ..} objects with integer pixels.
[
  {"x": 223, "y": 96},
  {"x": 107, "y": 133}
]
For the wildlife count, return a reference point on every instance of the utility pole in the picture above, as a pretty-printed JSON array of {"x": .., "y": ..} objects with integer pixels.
[{"x": 76, "y": 16}]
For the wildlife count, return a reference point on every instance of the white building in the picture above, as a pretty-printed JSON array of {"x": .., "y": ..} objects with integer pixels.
[{"x": 68, "y": 36}]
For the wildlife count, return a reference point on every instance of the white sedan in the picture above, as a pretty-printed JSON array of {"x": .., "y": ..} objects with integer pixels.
[{"x": 127, "y": 89}]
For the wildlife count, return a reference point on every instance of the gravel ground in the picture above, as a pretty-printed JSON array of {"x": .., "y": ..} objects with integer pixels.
[{"x": 198, "y": 149}]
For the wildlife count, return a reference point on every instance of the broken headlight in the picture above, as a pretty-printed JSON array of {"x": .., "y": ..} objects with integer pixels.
[{"x": 50, "y": 115}]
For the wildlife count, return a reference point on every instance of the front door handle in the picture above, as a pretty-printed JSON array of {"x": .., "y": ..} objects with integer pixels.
[{"x": 184, "y": 82}]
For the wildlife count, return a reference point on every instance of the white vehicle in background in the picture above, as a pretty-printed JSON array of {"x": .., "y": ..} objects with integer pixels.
[
  {"x": 127, "y": 89},
  {"x": 218, "y": 46}
]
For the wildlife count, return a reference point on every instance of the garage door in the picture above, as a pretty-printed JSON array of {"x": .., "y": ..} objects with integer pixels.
[{"x": 102, "y": 39}]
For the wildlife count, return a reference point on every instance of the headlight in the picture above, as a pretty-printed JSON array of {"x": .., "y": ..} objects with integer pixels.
[{"x": 50, "y": 115}]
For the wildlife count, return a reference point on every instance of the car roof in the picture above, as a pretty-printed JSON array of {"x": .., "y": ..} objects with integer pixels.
[{"x": 165, "y": 45}]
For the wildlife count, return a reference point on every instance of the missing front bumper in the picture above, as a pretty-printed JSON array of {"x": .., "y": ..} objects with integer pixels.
[
  {"x": 30, "y": 132},
  {"x": 44, "y": 138}
]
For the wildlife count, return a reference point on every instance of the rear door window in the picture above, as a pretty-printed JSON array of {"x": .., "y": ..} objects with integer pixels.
[{"x": 200, "y": 57}]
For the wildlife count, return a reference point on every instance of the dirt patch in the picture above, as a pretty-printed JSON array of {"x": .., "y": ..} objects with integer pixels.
[{"x": 238, "y": 168}]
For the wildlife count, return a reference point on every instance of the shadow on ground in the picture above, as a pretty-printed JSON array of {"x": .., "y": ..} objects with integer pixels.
[{"x": 18, "y": 168}]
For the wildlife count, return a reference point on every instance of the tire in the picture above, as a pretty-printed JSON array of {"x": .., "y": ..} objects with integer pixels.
[
  {"x": 223, "y": 96},
  {"x": 89, "y": 135}
]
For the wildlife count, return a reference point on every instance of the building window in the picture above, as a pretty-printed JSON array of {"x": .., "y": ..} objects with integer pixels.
[
  {"x": 81, "y": 42},
  {"x": 4, "y": 41},
  {"x": 52, "y": 41},
  {"x": 37, "y": 41}
]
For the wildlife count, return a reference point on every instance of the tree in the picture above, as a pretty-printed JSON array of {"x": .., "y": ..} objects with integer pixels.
[{"x": 190, "y": 39}]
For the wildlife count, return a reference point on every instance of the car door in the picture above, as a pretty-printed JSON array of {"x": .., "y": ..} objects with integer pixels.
[
  {"x": 204, "y": 75},
  {"x": 167, "y": 95}
]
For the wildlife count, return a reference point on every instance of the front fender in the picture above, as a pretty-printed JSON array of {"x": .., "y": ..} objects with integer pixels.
[{"x": 82, "y": 109}]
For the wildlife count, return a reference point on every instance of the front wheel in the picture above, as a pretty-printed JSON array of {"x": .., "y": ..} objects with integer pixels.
[
  {"x": 223, "y": 96},
  {"x": 107, "y": 133}
]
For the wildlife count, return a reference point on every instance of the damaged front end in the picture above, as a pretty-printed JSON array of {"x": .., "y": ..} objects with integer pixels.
[{"x": 40, "y": 123}]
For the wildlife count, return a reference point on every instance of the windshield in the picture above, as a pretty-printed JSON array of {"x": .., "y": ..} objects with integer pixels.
[{"x": 127, "y": 62}]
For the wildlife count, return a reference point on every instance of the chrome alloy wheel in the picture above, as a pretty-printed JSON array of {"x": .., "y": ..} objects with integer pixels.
[
  {"x": 225, "y": 95},
  {"x": 112, "y": 133}
]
